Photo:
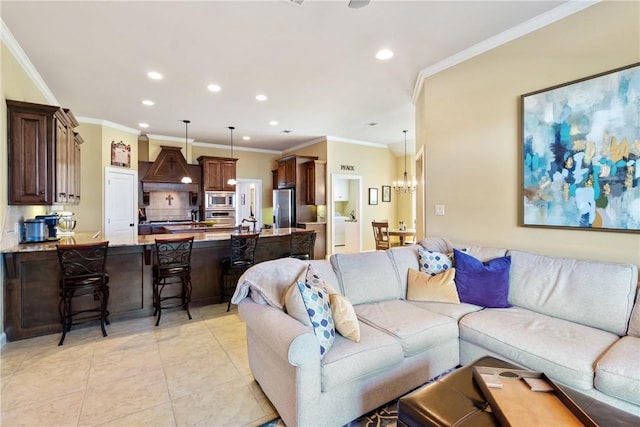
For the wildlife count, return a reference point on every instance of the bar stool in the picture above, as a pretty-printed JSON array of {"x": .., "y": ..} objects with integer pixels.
[
  {"x": 301, "y": 244},
  {"x": 83, "y": 278},
  {"x": 172, "y": 268},
  {"x": 242, "y": 256}
]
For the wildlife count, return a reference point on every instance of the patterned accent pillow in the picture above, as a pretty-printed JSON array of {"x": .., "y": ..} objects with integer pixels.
[
  {"x": 316, "y": 300},
  {"x": 305, "y": 301},
  {"x": 432, "y": 262}
]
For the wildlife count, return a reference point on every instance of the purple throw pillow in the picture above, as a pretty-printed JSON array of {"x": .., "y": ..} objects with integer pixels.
[{"x": 482, "y": 283}]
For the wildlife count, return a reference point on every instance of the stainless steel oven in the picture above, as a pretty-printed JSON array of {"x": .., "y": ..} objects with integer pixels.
[
  {"x": 221, "y": 216},
  {"x": 220, "y": 200}
]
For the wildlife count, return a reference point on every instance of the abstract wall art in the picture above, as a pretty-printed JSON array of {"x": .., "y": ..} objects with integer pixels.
[{"x": 581, "y": 153}]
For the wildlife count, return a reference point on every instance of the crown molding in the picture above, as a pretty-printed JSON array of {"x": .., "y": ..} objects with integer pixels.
[
  {"x": 355, "y": 141},
  {"x": 107, "y": 123},
  {"x": 533, "y": 24},
  {"x": 236, "y": 148},
  {"x": 16, "y": 50}
]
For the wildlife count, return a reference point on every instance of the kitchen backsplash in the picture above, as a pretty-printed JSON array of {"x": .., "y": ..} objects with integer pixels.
[{"x": 169, "y": 205}]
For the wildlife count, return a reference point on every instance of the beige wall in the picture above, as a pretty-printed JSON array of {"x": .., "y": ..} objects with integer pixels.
[
  {"x": 377, "y": 167},
  {"x": 15, "y": 84},
  {"x": 467, "y": 120}
]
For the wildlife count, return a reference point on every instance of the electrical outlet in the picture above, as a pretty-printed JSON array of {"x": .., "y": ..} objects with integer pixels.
[{"x": 440, "y": 210}]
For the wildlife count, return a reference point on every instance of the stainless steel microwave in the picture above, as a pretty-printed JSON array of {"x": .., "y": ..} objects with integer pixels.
[{"x": 220, "y": 200}]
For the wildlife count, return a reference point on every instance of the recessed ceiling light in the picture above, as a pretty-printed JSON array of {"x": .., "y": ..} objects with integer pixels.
[
  {"x": 261, "y": 97},
  {"x": 143, "y": 125},
  {"x": 154, "y": 75},
  {"x": 384, "y": 54},
  {"x": 214, "y": 88},
  {"x": 148, "y": 102},
  {"x": 246, "y": 138},
  {"x": 273, "y": 123}
]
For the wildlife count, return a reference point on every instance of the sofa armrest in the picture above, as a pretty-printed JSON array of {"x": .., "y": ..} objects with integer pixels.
[{"x": 286, "y": 336}]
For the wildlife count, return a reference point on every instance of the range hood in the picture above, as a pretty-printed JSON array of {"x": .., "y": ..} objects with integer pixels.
[{"x": 165, "y": 174}]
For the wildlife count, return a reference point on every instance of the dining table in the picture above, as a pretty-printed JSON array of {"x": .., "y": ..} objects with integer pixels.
[{"x": 403, "y": 234}]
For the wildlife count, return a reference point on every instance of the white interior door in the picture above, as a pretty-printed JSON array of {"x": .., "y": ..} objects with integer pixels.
[
  {"x": 249, "y": 201},
  {"x": 120, "y": 213}
]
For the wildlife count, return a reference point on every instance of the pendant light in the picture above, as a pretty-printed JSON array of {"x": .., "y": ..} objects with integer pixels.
[
  {"x": 231, "y": 181},
  {"x": 186, "y": 179},
  {"x": 404, "y": 186}
]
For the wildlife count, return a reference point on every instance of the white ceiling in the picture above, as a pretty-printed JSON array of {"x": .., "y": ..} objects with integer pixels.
[{"x": 316, "y": 62}]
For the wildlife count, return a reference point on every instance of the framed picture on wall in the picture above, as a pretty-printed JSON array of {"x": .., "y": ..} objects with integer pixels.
[
  {"x": 581, "y": 153},
  {"x": 373, "y": 196},
  {"x": 386, "y": 193}
]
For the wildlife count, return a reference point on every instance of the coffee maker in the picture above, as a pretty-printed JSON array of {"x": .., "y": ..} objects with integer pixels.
[{"x": 51, "y": 222}]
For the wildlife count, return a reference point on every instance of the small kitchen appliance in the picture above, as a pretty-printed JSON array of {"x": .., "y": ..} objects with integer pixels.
[
  {"x": 66, "y": 223},
  {"x": 34, "y": 231},
  {"x": 51, "y": 221},
  {"x": 220, "y": 200}
]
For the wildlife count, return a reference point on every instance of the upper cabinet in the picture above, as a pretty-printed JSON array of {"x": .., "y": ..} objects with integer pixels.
[
  {"x": 287, "y": 172},
  {"x": 216, "y": 172},
  {"x": 341, "y": 190},
  {"x": 315, "y": 193},
  {"x": 43, "y": 155}
]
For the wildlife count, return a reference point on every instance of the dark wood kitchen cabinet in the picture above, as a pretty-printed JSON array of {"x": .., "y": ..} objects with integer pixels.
[
  {"x": 315, "y": 193},
  {"x": 287, "y": 172},
  {"x": 43, "y": 157},
  {"x": 216, "y": 172}
]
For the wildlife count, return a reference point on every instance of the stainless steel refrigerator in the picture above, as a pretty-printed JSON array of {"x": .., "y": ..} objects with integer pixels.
[{"x": 284, "y": 208}]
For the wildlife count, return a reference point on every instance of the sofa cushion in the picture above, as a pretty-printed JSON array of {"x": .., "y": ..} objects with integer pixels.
[
  {"x": 367, "y": 277},
  {"x": 416, "y": 329},
  {"x": 344, "y": 317},
  {"x": 565, "y": 351},
  {"x": 348, "y": 361},
  {"x": 436, "y": 244},
  {"x": 454, "y": 311},
  {"x": 482, "y": 283},
  {"x": 618, "y": 371},
  {"x": 634, "y": 322},
  {"x": 565, "y": 287},
  {"x": 404, "y": 258},
  {"x": 424, "y": 287}
]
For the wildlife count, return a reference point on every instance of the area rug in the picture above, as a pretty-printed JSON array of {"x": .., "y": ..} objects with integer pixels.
[{"x": 384, "y": 416}]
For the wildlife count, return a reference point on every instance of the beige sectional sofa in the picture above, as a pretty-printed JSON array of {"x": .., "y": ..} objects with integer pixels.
[{"x": 578, "y": 321}]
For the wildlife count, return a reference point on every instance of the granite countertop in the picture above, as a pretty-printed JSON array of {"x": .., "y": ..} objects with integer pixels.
[{"x": 138, "y": 240}]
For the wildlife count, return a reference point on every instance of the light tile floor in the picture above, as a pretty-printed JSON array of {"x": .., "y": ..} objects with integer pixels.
[{"x": 181, "y": 373}]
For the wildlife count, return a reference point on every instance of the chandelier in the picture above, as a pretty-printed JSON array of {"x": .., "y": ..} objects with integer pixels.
[{"x": 404, "y": 186}]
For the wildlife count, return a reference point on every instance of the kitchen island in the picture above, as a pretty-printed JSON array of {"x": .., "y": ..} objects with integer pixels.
[{"x": 32, "y": 276}]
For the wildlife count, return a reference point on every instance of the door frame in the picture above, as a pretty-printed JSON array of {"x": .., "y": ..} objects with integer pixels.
[
  {"x": 259, "y": 200},
  {"x": 420, "y": 201},
  {"x": 331, "y": 213}
]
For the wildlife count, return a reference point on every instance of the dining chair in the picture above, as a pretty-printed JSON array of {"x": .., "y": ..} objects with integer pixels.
[{"x": 381, "y": 235}]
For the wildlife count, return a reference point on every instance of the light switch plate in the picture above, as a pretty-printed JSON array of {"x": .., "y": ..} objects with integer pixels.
[{"x": 439, "y": 210}]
